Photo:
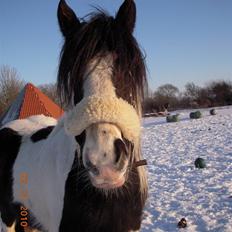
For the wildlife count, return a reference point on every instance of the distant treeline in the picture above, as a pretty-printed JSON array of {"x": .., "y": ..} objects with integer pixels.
[
  {"x": 165, "y": 97},
  {"x": 169, "y": 97}
]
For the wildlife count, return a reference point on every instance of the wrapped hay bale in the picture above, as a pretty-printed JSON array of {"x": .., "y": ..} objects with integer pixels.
[
  {"x": 195, "y": 115},
  {"x": 172, "y": 118},
  {"x": 198, "y": 114},
  {"x": 212, "y": 112}
]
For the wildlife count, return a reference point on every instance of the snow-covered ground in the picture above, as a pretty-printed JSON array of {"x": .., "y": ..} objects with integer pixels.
[{"x": 176, "y": 188}]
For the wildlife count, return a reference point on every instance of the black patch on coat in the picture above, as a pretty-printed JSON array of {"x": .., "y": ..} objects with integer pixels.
[
  {"x": 87, "y": 209},
  {"x": 41, "y": 134},
  {"x": 10, "y": 142}
]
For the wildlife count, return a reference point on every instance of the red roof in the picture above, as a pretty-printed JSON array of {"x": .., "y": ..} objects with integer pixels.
[{"x": 35, "y": 102}]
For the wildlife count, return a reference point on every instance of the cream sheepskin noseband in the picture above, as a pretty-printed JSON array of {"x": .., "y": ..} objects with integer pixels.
[{"x": 97, "y": 109}]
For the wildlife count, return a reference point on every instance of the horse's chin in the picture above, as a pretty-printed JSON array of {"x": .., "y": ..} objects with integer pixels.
[{"x": 108, "y": 185}]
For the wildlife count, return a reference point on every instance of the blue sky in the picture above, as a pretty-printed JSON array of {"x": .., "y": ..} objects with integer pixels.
[{"x": 184, "y": 40}]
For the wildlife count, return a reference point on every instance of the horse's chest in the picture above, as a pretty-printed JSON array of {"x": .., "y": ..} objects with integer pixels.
[
  {"x": 87, "y": 209},
  {"x": 101, "y": 216}
]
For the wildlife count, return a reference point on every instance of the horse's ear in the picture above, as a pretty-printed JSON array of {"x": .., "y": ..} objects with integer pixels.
[
  {"x": 126, "y": 15},
  {"x": 68, "y": 20}
]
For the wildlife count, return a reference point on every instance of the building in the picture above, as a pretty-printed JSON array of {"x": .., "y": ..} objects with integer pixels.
[{"x": 31, "y": 101}]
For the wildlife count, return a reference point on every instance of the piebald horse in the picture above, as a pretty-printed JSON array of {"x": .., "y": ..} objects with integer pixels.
[{"x": 82, "y": 172}]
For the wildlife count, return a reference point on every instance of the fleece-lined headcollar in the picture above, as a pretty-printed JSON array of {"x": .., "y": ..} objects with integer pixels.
[{"x": 96, "y": 109}]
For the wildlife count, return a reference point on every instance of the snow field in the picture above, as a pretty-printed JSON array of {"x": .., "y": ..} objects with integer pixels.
[{"x": 176, "y": 188}]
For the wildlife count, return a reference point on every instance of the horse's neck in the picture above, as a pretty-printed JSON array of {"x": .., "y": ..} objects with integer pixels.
[
  {"x": 60, "y": 149},
  {"x": 54, "y": 156},
  {"x": 47, "y": 164},
  {"x": 98, "y": 79}
]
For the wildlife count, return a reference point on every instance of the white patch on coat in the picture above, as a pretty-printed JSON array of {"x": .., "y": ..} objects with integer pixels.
[
  {"x": 31, "y": 124},
  {"x": 98, "y": 82},
  {"x": 98, "y": 77},
  {"x": 47, "y": 164},
  {"x": 99, "y": 150},
  {"x": 98, "y": 144}
]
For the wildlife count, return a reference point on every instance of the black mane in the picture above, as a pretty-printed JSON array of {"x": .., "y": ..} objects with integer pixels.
[{"x": 98, "y": 36}]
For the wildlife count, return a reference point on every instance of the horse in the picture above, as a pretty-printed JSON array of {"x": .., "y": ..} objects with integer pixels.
[{"x": 83, "y": 172}]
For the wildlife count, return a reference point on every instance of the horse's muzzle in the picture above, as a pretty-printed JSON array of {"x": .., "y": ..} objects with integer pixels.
[{"x": 107, "y": 178}]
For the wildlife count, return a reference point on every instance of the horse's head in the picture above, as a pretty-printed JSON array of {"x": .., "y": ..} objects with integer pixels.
[
  {"x": 108, "y": 131},
  {"x": 101, "y": 58}
]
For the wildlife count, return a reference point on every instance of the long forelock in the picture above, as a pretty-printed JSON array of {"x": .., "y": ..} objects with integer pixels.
[{"x": 99, "y": 37}]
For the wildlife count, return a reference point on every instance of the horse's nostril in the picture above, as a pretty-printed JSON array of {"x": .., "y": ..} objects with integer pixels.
[{"x": 92, "y": 168}]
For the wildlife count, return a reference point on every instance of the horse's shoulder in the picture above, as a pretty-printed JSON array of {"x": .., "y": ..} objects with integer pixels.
[{"x": 30, "y": 125}]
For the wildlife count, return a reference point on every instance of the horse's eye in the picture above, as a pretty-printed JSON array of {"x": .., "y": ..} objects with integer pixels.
[{"x": 104, "y": 132}]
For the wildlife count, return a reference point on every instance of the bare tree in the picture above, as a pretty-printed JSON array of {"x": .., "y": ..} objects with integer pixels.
[
  {"x": 168, "y": 90},
  {"x": 220, "y": 92},
  {"x": 10, "y": 86},
  {"x": 192, "y": 91},
  {"x": 166, "y": 95}
]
